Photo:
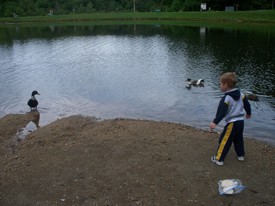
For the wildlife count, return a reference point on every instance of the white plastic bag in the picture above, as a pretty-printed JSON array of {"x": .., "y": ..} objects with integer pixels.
[{"x": 230, "y": 186}]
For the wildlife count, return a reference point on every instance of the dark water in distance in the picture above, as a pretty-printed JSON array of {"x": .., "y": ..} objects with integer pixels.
[{"x": 135, "y": 71}]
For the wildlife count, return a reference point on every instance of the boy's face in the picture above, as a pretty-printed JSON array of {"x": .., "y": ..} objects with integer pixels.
[{"x": 223, "y": 86}]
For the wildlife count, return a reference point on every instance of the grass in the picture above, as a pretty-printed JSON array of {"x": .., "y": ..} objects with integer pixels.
[
  {"x": 261, "y": 16},
  {"x": 261, "y": 19}
]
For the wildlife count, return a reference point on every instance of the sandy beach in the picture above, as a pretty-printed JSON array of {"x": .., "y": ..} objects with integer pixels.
[{"x": 83, "y": 161}]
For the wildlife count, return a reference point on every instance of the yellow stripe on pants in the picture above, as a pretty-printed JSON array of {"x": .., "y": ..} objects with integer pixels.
[{"x": 224, "y": 140}]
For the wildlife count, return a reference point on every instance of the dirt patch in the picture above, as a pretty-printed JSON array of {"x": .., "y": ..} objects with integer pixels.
[{"x": 81, "y": 161}]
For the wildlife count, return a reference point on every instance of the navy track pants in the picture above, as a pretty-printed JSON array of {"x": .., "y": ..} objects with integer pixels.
[{"x": 232, "y": 133}]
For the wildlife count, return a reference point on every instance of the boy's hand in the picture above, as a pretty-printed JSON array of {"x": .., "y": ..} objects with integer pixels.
[
  {"x": 248, "y": 116},
  {"x": 212, "y": 126}
]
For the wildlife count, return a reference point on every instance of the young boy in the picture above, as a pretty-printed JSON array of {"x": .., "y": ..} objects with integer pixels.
[{"x": 231, "y": 107}]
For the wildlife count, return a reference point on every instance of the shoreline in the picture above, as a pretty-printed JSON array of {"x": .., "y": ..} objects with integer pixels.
[{"x": 35, "y": 117}]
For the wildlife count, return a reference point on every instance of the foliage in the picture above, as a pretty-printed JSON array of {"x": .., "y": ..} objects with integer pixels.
[{"x": 9, "y": 8}]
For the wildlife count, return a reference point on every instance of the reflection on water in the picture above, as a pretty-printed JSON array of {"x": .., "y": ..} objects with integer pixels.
[{"x": 135, "y": 72}]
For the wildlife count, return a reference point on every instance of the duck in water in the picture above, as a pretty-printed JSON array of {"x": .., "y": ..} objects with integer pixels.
[
  {"x": 195, "y": 83},
  {"x": 32, "y": 101}
]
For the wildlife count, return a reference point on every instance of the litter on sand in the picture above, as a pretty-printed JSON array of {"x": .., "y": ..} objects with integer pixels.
[{"x": 230, "y": 186}]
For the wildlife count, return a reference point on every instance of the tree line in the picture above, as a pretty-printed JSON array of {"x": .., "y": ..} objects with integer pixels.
[{"x": 9, "y": 8}]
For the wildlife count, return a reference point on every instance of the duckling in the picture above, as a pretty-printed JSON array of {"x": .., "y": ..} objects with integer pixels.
[
  {"x": 188, "y": 86},
  {"x": 196, "y": 83},
  {"x": 252, "y": 97},
  {"x": 32, "y": 101}
]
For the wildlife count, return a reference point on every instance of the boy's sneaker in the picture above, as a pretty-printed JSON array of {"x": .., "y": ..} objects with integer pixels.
[
  {"x": 241, "y": 158},
  {"x": 220, "y": 163}
]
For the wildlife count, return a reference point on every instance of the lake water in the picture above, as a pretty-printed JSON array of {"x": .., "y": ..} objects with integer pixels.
[{"x": 136, "y": 72}]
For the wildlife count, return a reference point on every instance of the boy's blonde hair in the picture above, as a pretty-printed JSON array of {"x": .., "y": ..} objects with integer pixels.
[{"x": 229, "y": 78}]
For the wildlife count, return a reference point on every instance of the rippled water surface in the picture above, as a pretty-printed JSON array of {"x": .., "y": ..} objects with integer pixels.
[{"x": 136, "y": 72}]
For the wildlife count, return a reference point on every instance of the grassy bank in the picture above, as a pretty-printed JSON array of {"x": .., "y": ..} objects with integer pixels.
[{"x": 253, "y": 17}]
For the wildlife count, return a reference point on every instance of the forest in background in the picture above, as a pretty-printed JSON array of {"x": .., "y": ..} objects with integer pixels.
[{"x": 9, "y": 8}]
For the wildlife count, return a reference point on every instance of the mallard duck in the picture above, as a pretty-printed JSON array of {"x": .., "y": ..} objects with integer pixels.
[
  {"x": 32, "y": 101},
  {"x": 196, "y": 83}
]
